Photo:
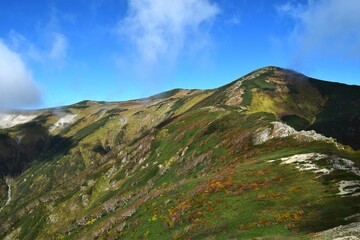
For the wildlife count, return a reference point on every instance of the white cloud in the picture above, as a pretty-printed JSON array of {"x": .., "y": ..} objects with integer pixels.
[
  {"x": 235, "y": 20},
  {"x": 53, "y": 51},
  {"x": 23, "y": 45},
  {"x": 325, "y": 27},
  {"x": 17, "y": 87},
  {"x": 59, "y": 47},
  {"x": 161, "y": 29}
]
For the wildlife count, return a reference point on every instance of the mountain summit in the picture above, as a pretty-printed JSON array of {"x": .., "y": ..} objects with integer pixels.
[{"x": 274, "y": 154}]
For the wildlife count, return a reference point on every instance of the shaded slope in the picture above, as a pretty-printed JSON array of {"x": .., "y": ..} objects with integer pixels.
[{"x": 340, "y": 117}]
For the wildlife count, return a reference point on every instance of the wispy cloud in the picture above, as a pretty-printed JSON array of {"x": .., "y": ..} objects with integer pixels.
[
  {"x": 54, "y": 51},
  {"x": 235, "y": 20},
  {"x": 58, "y": 50},
  {"x": 159, "y": 30},
  {"x": 21, "y": 44},
  {"x": 48, "y": 45},
  {"x": 325, "y": 28},
  {"x": 17, "y": 87}
]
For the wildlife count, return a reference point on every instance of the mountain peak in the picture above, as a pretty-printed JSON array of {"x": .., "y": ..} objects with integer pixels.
[
  {"x": 274, "y": 71},
  {"x": 302, "y": 102}
]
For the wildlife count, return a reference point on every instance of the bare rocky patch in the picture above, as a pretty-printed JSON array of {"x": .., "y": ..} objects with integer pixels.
[
  {"x": 282, "y": 130},
  {"x": 9, "y": 120},
  {"x": 63, "y": 121},
  {"x": 347, "y": 232},
  {"x": 310, "y": 162}
]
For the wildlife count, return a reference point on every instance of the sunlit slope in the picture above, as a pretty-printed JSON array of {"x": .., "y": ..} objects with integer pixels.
[{"x": 186, "y": 164}]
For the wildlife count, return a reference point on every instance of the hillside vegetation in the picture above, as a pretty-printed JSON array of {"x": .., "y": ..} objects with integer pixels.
[{"x": 272, "y": 155}]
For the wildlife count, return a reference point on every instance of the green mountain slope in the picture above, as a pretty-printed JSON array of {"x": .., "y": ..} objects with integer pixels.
[{"x": 228, "y": 163}]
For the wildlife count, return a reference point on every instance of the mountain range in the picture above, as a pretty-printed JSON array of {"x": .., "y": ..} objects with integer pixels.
[{"x": 272, "y": 155}]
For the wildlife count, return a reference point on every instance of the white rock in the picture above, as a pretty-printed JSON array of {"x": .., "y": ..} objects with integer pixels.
[
  {"x": 352, "y": 217},
  {"x": 347, "y": 232},
  {"x": 8, "y": 120},
  {"x": 347, "y": 238},
  {"x": 348, "y": 187},
  {"x": 63, "y": 121},
  {"x": 308, "y": 161},
  {"x": 282, "y": 130}
]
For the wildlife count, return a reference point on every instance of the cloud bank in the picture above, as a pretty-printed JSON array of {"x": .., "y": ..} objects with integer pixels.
[
  {"x": 17, "y": 87},
  {"x": 326, "y": 28},
  {"x": 159, "y": 30}
]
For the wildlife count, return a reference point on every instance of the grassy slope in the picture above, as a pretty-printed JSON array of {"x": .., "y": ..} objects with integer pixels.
[{"x": 182, "y": 167}]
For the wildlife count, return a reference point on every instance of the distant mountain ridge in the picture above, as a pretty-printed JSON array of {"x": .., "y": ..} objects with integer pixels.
[{"x": 274, "y": 154}]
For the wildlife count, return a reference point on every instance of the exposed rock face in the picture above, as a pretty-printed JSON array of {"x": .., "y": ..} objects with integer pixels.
[
  {"x": 8, "y": 120},
  {"x": 63, "y": 121},
  {"x": 282, "y": 130},
  {"x": 8, "y": 182},
  {"x": 234, "y": 94},
  {"x": 347, "y": 232},
  {"x": 349, "y": 187}
]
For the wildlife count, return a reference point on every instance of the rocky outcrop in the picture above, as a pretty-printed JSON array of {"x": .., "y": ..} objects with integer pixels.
[
  {"x": 63, "y": 121},
  {"x": 8, "y": 120},
  {"x": 311, "y": 162},
  {"x": 282, "y": 130},
  {"x": 347, "y": 232}
]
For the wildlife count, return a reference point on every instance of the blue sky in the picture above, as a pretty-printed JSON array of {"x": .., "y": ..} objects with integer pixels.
[{"x": 60, "y": 52}]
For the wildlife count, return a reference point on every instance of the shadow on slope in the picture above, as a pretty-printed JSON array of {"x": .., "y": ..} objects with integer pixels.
[{"x": 340, "y": 117}]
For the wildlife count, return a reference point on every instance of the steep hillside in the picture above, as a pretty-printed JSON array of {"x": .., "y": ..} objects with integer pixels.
[{"x": 238, "y": 162}]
